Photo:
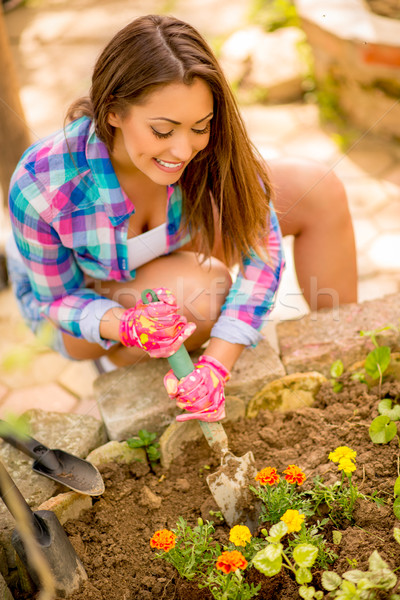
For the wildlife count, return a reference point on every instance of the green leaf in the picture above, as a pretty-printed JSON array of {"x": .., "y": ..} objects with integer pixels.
[
  {"x": 396, "y": 488},
  {"x": 396, "y": 534},
  {"x": 337, "y": 368},
  {"x": 376, "y": 562},
  {"x": 306, "y": 592},
  {"x": 396, "y": 509},
  {"x": 266, "y": 566},
  {"x": 385, "y": 408},
  {"x": 382, "y": 430},
  {"x": 377, "y": 361},
  {"x": 273, "y": 551},
  {"x": 303, "y": 575},
  {"x": 336, "y": 537},
  {"x": 277, "y": 531},
  {"x": 305, "y": 555},
  {"x": 319, "y": 595},
  {"x": 330, "y": 580},
  {"x": 383, "y": 579},
  {"x": 354, "y": 575},
  {"x": 135, "y": 443}
]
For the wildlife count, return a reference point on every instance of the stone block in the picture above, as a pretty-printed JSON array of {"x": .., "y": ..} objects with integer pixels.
[
  {"x": 134, "y": 398},
  {"x": 67, "y": 506},
  {"x": 118, "y": 452},
  {"x": 177, "y": 434},
  {"x": 77, "y": 434},
  {"x": 288, "y": 393},
  {"x": 316, "y": 340}
]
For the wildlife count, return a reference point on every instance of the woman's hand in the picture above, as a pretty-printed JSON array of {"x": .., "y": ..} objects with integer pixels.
[
  {"x": 201, "y": 393},
  {"x": 156, "y": 327}
]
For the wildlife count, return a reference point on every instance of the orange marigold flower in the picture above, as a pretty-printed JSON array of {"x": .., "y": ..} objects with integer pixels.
[
  {"x": 230, "y": 561},
  {"x": 267, "y": 476},
  {"x": 294, "y": 474},
  {"x": 163, "y": 539}
]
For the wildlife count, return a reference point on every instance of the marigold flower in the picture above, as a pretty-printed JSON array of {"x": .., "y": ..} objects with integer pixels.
[
  {"x": 267, "y": 476},
  {"x": 231, "y": 561},
  {"x": 293, "y": 520},
  {"x": 163, "y": 539},
  {"x": 294, "y": 474},
  {"x": 240, "y": 535},
  {"x": 346, "y": 465},
  {"x": 342, "y": 452}
]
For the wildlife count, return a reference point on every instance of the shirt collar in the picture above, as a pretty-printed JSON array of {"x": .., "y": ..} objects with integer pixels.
[{"x": 117, "y": 205}]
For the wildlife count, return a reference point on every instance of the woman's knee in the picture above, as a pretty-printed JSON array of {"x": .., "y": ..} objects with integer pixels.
[{"x": 308, "y": 193}]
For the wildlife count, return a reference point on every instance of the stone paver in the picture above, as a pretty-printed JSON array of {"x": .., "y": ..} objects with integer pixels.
[{"x": 46, "y": 397}]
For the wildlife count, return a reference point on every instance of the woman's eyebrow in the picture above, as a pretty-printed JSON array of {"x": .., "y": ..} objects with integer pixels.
[{"x": 177, "y": 122}]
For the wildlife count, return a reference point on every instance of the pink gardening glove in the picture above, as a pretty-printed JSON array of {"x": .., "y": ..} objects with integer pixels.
[
  {"x": 201, "y": 393},
  {"x": 156, "y": 327}
]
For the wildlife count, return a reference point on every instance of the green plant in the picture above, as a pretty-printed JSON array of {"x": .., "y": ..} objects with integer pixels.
[
  {"x": 279, "y": 494},
  {"x": 188, "y": 550},
  {"x": 336, "y": 371},
  {"x": 361, "y": 584},
  {"x": 311, "y": 535},
  {"x": 145, "y": 440},
  {"x": 273, "y": 557},
  {"x": 340, "y": 497},
  {"x": 230, "y": 586}
]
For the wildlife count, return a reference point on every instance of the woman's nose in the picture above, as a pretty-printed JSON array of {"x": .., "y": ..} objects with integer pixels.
[{"x": 182, "y": 148}]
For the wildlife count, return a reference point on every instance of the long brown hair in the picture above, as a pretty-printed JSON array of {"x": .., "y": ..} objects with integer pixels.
[{"x": 157, "y": 50}]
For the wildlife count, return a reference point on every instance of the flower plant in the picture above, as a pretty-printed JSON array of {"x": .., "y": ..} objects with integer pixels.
[
  {"x": 291, "y": 542},
  {"x": 278, "y": 494}
]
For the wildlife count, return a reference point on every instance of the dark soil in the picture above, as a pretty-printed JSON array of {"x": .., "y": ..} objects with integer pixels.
[{"x": 112, "y": 538}]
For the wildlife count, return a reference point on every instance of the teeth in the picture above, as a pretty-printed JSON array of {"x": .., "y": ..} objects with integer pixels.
[{"x": 168, "y": 165}]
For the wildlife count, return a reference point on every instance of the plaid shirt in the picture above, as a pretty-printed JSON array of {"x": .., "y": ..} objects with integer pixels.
[{"x": 70, "y": 218}]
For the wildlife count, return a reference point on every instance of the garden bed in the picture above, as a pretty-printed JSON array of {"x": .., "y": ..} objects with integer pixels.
[{"x": 112, "y": 538}]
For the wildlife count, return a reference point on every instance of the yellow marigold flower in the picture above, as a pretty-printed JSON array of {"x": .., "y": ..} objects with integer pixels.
[
  {"x": 229, "y": 562},
  {"x": 294, "y": 474},
  {"x": 346, "y": 465},
  {"x": 163, "y": 539},
  {"x": 342, "y": 452},
  {"x": 240, "y": 535},
  {"x": 293, "y": 520},
  {"x": 267, "y": 476}
]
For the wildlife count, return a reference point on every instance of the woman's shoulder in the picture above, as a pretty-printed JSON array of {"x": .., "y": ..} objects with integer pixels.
[{"x": 56, "y": 150}]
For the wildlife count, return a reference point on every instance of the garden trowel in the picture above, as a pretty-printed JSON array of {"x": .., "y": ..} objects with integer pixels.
[
  {"x": 63, "y": 562},
  {"x": 69, "y": 470},
  {"x": 229, "y": 485}
]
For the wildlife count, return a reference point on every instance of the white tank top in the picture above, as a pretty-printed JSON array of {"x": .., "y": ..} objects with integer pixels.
[{"x": 147, "y": 246}]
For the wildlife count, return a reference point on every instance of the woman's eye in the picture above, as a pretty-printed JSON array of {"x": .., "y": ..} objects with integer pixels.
[
  {"x": 160, "y": 135},
  {"x": 205, "y": 130}
]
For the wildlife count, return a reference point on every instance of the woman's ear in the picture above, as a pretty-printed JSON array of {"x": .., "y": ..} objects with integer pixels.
[{"x": 113, "y": 119}]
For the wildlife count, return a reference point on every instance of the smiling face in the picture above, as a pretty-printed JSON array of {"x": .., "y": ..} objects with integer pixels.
[{"x": 161, "y": 136}]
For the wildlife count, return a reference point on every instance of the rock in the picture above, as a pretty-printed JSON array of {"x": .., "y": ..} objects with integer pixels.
[
  {"x": 236, "y": 52},
  {"x": 287, "y": 393},
  {"x": 277, "y": 65},
  {"x": 77, "y": 434},
  {"x": 316, "y": 340},
  {"x": 67, "y": 506},
  {"x": 5, "y": 593},
  {"x": 134, "y": 398},
  {"x": 174, "y": 437},
  {"x": 182, "y": 485},
  {"x": 118, "y": 452},
  {"x": 149, "y": 498}
]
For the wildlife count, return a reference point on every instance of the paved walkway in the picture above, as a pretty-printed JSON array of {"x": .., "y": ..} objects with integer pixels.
[{"x": 54, "y": 52}]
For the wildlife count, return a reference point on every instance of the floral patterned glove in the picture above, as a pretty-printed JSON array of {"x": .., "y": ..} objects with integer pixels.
[
  {"x": 201, "y": 393},
  {"x": 156, "y": 327}
]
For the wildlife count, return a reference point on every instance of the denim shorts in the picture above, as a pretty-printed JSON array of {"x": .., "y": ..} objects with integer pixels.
[{"x": 26, "y": 301}]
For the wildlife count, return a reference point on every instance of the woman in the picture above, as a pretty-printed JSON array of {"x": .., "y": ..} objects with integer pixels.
[{"x": 155, "y": 184}]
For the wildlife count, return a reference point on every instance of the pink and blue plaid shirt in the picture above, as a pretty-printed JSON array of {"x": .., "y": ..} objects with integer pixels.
[{"x": 70, "y": 218}]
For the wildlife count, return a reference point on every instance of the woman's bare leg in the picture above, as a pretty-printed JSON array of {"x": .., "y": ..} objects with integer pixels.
[
  {"x": 311, "y": 205},
  {"x": 200, "y": 290}
]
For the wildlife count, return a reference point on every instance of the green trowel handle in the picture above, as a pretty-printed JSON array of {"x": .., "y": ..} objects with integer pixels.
[{"x": 182, "y": 365}]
